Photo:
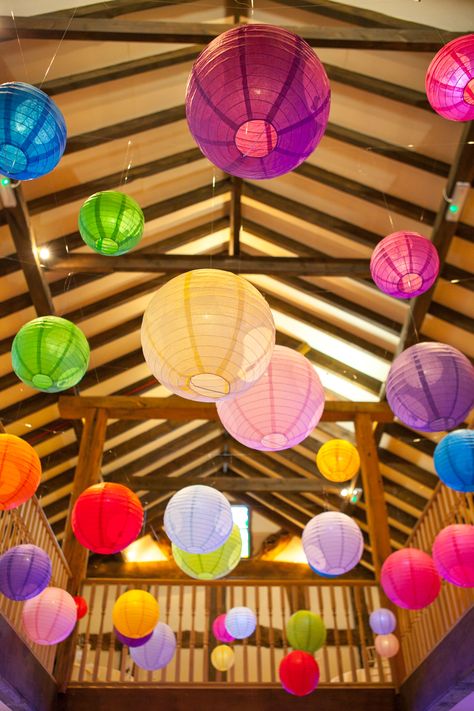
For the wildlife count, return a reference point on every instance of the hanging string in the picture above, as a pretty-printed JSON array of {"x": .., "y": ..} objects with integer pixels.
[
  {"x": 58, "y": 47},
  {"x": 20, "y": 47}
]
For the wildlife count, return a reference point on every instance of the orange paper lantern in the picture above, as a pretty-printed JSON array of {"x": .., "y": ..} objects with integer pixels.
[{"x": 20, "y": 471}]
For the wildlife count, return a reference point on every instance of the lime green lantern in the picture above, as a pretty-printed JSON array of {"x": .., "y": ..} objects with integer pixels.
[
  {"x": 111, "y": 222},
  {"x": 214, "y": 565},
  {"x": 50, "y": 353},
  {"x": 306, "y": 631}
]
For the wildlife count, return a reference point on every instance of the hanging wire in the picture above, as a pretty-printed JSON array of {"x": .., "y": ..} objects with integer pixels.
[
  {"x": 20, "y": 47},
  {"x": 58, "y": 47}
]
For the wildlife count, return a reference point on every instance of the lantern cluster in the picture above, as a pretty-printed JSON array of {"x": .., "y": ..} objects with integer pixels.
[
  {"x": 382, "y": 623},
  {"x": 237, "y": 623}
]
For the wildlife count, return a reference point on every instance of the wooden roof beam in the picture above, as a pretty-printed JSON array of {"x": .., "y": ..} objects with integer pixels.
[{"x": 235, "y": 217}]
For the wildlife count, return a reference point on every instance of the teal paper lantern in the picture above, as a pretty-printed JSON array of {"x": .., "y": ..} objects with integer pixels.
[
  {"x": 111, "y": 223},
  {"x": 50, "y": 354}
]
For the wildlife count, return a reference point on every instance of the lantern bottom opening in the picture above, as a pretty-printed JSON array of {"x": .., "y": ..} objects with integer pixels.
[
  {"x": 256, "y": 138},
  {"x": 442, "y": 423},
  {"x": 468, "y": 94},
  {"x": 106, "y": 245},
  {"x": 40, "y": 380},
  {"x": 410, "y": 283},
  {"x": 12, "y": 159},
  {"x": 209, "y": 384},
  {"x": 275, "y": 439}
]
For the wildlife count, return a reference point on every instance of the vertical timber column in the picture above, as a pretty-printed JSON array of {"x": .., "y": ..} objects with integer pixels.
[{"x": 377, "y": 517}]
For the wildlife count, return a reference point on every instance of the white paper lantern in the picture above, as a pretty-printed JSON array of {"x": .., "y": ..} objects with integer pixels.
[
  {"x": 49, "y": 617},
  {"x": 158, "y": 651},
  {"x": 387, "y": 645},
  {"x": 240, "y": 622},
  {"x": 333, "y": 543}
]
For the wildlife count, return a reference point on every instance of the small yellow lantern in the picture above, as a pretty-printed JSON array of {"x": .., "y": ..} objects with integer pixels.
[
  {"x": 222, "y": 657},
  {"x": 338, "y": 460}
]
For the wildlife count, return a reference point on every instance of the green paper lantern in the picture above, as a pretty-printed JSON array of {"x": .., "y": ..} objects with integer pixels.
[
  {"x": 214, "y": 565},
  {"x": 306, "y": 631},
  {"x": 111, "y": 223},
  {"x": 50, "y": 354}
]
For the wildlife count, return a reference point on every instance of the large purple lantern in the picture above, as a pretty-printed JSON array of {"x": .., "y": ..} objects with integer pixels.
[
  {"x": 430, "y": 387},
  {"x": 25, "y": 571},
  {"x": 404, "y": 264},
  {"x": 450, "y": 80},
  {"x": 257, "y": 101}
]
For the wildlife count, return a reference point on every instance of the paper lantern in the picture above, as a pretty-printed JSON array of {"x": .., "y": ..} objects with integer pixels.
[
  {"x": 81, "y": 606},
  {"x": 219, "y": 631},
  {"x": 107, "y": 517},
  {"x": 50, "y": 353},
  {"x": 454, "y": 460},
  {"x": 214, "y": 565},
  {"x": 240, "y": 622},
  {"x": 25, "y": 571},
  {"x": 453, "y": 554},
  {"x": 49, "y": 617},
  {"x": 430, "y": 387},
  {"x": 409, "y": 579},
  {"x": 32, "y": 132},
  {"x": 281, "y": 409},
  {"x": 299, "y": 673},
  {"x": 450, "y": 80},
  {"x": 132, "y": 641},
  {"x": 404, "y": 264},
  {"x": 306, "y": 631},
  {"x": 332, "y": 543},
  {"x": 198, "y": 519},
  {"x": 207, "y": 334},
  {"x": 222, "y": 657},
  {"x": 338, "y": 460},
  {"x": 111, "y": 222},
  {"x": 135, "y": 613},
  {"x": 382, "y": 621},
  {"x": 387, "y": 645},
  {"x": 20, "y": 471},
  {"x": 158, "y": 651}
]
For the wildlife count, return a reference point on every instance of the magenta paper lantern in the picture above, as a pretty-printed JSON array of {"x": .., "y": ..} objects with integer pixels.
[
  {"x": 430, "y": 387},
  {"x": 257, "y": 101},
  {"x": 158, "y": 651},
  {"x": 281, "y": 409},
  {"x": 409, "y": 579},
  {"x": 453, "y": 554},
  {"x": 219, "y": 630},
  {"x": 450, "y": 80},
  {"x": 382, "y": 621},
  {"x": 404, "y": 264},
  {"x": 50, "y": 617},
  {"x": 333, "y": 543}
]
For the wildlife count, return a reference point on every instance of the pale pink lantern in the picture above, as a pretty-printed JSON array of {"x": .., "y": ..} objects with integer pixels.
[
  {"x": 281, "y": 409},
  {"x": 453, "y": 554},
  {"x": 50, "y": 617},
  {"x": 450, "y": 80},
  {"x": 404, "y": 264}
]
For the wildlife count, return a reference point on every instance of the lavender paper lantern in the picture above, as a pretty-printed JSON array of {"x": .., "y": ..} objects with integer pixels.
[
  {"x": 453, "y": 554},
  {"x": 25, "y": 571},
  {"x": 332, "y": 543},
  {"x": 158, "y": 651},
  {"x": 50, "y": 617},
  {"x": 450, "y": 80},
  {"x": 131, "y": 641},
  {"x": 454, "y": 460},
  {"x": 430, "y": 387},
  {"x": 240, "y": 622},
  {"x": 281, "y": 409},
  {"x": 257, "y": 101},
  {"x": 404, "y": 264},
  {"x": 382, "y": 621}
]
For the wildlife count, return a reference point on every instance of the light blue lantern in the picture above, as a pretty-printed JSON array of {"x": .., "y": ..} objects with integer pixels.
[
  {"x": 240, "y": 622},
  {"x": 454, "y": 460}
]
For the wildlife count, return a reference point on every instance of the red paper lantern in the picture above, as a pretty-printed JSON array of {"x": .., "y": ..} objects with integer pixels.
[
  {"x": 299, "y": 673},
  {"x": 409, "y": 579},
  {"x": 453, "y": 554},
  {"x": 81, "y": 606},
  {"x": 106, "y": 518}
]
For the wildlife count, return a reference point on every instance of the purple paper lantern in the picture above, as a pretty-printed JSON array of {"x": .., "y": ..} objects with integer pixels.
[
  {"x": 450, "y": 80},
  {"x": 430, "y": 387},
  {"x": 25, "y": 571},
  {"x": 131, "y": 641},
  {"x": 219, "y": 630},
  {"x": 404, "y": 264},
  {"x": 382, "y": 621},
  {"x": 257, "y": 101},
  {"x": 158, "y": 651},
  {"x": 333, "y": 543}
]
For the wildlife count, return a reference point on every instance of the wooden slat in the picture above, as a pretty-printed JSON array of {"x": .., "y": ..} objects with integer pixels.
[{"x": 229, "y": 484}]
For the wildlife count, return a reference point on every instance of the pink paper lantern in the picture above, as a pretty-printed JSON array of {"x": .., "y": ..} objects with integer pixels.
[
  {"x": 50, "y": 617},
  {"x": 387, "y": 645},
  {"x": 409, "y": 579},
  {"x": 219, "y": 630},
  {"x": 453, "y": 554},
  {"x": 281, "y": 409},
  {"x": 450, "y": 80},
  {"x": 404, "y": 264}
]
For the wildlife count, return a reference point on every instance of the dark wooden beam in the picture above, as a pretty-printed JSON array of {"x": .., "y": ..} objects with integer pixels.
[
  {"x": 229, "y": 484},
  {"x": 115, "y": 8},
  {"x": 235, "y": 217},
  {"x": 345, "y": 13}
]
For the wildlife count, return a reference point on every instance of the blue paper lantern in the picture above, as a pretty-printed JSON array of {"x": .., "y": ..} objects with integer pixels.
[
  {"x": 240, "y": 622},
  {"x": 25, "y": 571},
  {"x": 32, "y": 132},
  {"x": 454, "y": 460}
]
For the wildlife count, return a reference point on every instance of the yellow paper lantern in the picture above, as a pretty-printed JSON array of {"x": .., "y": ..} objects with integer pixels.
[
  {"x": 338, "y": 460},
  {"x": 207, "y": 334},
  {"x": 214, "y": 565},
  {"x": 135, "y": 613},
  {"x": 222, "y": 657}
]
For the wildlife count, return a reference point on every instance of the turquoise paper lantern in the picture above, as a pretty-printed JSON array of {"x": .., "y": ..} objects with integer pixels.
[
  {"x": 454, "y": 460},
  {"x": 111, "y": 223}
]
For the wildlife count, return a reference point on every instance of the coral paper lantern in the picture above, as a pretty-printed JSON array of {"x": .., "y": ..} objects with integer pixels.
[
  {"x": 257, "y": 101},
  {"x": 454, "y": 460},
  {"x": 111, "y": 222},
  {"x": 338, "y": 460},
  {"x": 135, "y": 613},
  {"x": 81, "y": 606},
  {"x": 450, "y": 80},
  {"x": 132, "y": 641},
  {"x": 409, "y": 579},
  {"x": 387, "y": 645},
  {"x": 404, "y": 264},
  {"x": 207, "y": 334},
  {"x": 299, "y": 673},
  {"x": 219, "y": 631},
  {"x": 222, "y": 657},
  {"x": 32, "y": 132},
  {"x": 49, "y": 617},
  {"x": 382, "y": 621},
  {"x": 281, "y": 409},
  {"x": 306, "y": 631},
  {"x": 240, "y": 622},
  {"x": 430, "y": 387},
  {"x": 198, "y": 519},
  {"x": 25, "y": 571},
  {"x": 453, "y": 554},
  {"x": 158, "y": 651},
  {"x": 107, "y": 517},
  {"x": 214, "y": 565},
  {"x": 20, "y": 471},
  {"x": 332, "y": 543},
  {"x": 50, "y": 353}
]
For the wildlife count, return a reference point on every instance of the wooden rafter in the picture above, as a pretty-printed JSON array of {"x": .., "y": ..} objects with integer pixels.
[{"x": 235, "y": 217}]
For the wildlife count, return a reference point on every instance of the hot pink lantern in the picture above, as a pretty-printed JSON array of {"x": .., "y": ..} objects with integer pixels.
[
  {"x": 50, "y": 617},
  {"x": 257, "y": 101},
  {"x": 453, "y": 554},
  {"x": 404, "y": 264},
  {"x": 219, "y": 630},
  {"x": 450, "y": 80},
  {"x": 281, "y": 409},
  {"x": 409, "y": 579}
]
